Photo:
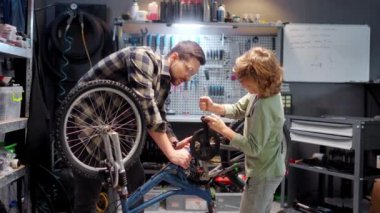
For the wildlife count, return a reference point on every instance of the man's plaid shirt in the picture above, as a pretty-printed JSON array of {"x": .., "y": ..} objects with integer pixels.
[{"x": 146, "y": 73}]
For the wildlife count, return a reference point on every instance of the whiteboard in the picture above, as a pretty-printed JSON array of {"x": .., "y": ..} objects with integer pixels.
[{"x": 326, "y": 53}]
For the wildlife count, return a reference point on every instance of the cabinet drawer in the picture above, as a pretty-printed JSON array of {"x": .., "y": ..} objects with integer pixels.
[
  {"x": 322, "y": 127},
  {"x": 341, "y": 142}
]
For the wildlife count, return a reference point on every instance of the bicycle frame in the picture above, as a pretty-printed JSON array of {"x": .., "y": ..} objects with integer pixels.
[
  {"x": 173, "y": 174},
  {"x": 237, "y": 161}
]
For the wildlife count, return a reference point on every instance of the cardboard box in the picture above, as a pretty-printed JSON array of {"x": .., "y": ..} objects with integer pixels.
[{"x": 375, "y": 197}]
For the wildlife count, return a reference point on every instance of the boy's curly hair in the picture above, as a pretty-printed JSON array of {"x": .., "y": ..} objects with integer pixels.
[{"x": 262, "y": 66}]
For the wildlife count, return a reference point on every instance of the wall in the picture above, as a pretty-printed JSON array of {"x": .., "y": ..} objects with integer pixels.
[
  {"x": 342, "y": 99},
  {"x": 298, "y": 11},
  {"x": 313, "y": 99}
]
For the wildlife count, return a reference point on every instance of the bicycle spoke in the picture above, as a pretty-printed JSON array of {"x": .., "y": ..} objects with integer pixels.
[
  {"x": 97, "y": 102},
  {"x": 126, "y": 146},
  {"x": 125, "y": 116},
  {"x": 117, "y": 104},
  {"x": 91, "y": 103},
  {"x": 84, "y": 116},
  {"x": 80, "y": 143},
  {"x": 127, "y": 128},
  {"x": 102, "y": 101}
]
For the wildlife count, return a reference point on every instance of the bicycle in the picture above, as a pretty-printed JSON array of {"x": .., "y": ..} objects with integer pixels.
[{"x": 100, "y": 131}]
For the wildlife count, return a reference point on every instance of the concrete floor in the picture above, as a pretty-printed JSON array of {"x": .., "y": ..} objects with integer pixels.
[{"x": 275, "y": 209}]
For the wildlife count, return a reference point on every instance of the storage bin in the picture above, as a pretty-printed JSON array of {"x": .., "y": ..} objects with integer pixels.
[
  {"x": 10, "y": 102},
  {"x": 186, "y": 203},
  {"x": 175, "y": 202},
  {"x": 151, "y": 194},
  {"x": 228, "y": 201}
]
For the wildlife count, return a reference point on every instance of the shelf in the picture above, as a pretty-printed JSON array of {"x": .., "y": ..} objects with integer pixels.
[
  {"x": 11, "y": 176},
  {"x": 330, "y": 172},
  {"x": 322, "y": 170},
  {"x": 12, "y": 125},
  {"x": 204, "y": 28},
  {"x": 6, "y": 49}
]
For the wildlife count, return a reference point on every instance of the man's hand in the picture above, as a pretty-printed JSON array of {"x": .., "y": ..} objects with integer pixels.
[{"x": 180, "y": 157}]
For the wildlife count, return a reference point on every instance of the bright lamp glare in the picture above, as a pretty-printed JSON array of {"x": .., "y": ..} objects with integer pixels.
[{"x": 187, "y": 26}]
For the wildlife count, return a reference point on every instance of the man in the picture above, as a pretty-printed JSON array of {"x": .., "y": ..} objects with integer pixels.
[{"x": 149, "y": 75}]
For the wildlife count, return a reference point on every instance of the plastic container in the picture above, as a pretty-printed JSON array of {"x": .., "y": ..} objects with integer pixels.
[
  {"x": 151, "y": 194},
  {"x": 186, "y": 203},
  {"x": 141, "y": 15},
  {"x": 152, "y": 11},
  {"x": 10, "y": 102},
  {"x": 228, "y": 201},
  {"x": 10, "y": 147},
  {"x": 221, "y": 13},
  {"x": 134, "y": 9},
  {"x": 206, "y": 11},
  {"x": 214, "y": 11}
]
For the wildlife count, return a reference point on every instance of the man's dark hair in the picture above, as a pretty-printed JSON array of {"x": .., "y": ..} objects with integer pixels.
[{"x": 187, "y": 49}]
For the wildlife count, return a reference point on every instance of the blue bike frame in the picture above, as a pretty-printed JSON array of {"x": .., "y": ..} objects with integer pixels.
[{"x": 173, "y": 174}]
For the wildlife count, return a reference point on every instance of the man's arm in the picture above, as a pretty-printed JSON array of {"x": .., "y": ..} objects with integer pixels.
[{"x": 169, "y": 129}]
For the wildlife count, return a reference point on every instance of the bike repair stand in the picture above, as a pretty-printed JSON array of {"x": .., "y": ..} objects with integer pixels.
[{"x": 173, "y": 174}]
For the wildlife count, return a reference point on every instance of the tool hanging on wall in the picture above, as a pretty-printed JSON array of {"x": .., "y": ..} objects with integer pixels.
[
  {"x": 158, "y": 43},
  {"x": 221, "y": 51},
  {"x": 165, "y": 50},
  {"x": 149, "y": 39},
  {"x": 143, "y": 32}
]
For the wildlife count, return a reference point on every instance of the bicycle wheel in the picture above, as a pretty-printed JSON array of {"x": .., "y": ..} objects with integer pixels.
[
  {"x": 48, "y": 191},
  {"x": 87, "y": 112}
]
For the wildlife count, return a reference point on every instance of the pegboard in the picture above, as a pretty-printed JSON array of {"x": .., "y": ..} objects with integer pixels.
[{"x": 215, "y": 78}]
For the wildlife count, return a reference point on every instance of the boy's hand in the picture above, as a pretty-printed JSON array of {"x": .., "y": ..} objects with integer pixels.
[
  {"x": 215, "y": 123},
  {"x": 205, "y": 103}
]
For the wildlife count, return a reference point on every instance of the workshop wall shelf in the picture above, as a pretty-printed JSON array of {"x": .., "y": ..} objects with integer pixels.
[{"x": 19, "y": 174}]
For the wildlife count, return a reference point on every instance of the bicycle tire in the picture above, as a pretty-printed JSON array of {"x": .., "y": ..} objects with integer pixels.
[
  {"x": 49, "y": 194},
  {"x": 94, "y": 35},
  {"x": 87, "y": 110},
  {"x": 44, "y": 204}
]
